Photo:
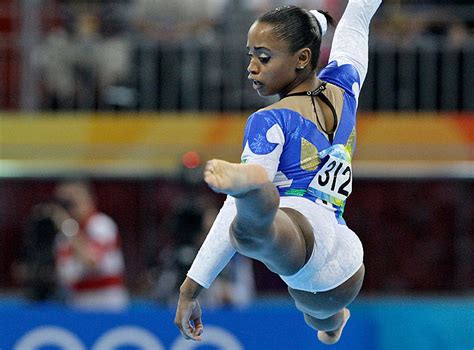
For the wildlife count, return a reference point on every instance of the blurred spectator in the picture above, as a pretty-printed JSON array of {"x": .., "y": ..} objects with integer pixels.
[
  {"x": 89, "y": 260},
  {"x": 114, "y": 61},
  {"x": 86, "y": 41},
  {"x": 177, "y": 21},
  {"x": 55, "y": 58},
  {"x": 87, "y": 63},
  {"x": 458, "y": 35}
]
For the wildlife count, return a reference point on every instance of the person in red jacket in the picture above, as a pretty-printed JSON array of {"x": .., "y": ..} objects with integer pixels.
[{"x": 89, "y": 260}]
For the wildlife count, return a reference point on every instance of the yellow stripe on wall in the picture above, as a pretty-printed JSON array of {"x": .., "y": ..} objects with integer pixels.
[
  {"x": 411, "y": 137},
  {"x": 154, "y": 142}
]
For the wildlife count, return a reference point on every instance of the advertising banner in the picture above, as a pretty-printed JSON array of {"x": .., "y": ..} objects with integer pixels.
[
  {"x": 150, "y": 328},
  {"x": 382, "y": 324}
]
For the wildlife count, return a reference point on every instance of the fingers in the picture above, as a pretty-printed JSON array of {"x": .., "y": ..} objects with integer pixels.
[
  {"x": 190, "y": 327},
  {"x": 189, "y": 332},
  {"x": 182, "y": 326},
  {"x": 198, "y": 327}
]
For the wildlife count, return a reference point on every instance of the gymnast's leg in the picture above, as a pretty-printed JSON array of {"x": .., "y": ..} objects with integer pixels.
[
  {"x": 326, "y": 311},
  {"x": 260, "y": 230},
  {"x": 282, "y": 239}
]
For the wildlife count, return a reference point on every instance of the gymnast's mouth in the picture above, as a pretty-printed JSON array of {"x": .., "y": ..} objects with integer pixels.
[{"x": 256, "y": 84}]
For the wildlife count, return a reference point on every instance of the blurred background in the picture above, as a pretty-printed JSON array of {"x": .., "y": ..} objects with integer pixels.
[{"x": 128, "y": 99}]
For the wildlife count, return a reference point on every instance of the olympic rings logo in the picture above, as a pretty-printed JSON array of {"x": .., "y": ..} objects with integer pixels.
[{"x": 122, "y": 336}]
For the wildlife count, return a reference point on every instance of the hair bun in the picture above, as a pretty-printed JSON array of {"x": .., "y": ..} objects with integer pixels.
[{"x": 323, "y": 23}]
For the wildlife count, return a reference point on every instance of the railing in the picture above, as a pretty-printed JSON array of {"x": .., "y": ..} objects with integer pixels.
[
  {"x": 419, "y": 77},
  {"x": 190, "y": 77}
]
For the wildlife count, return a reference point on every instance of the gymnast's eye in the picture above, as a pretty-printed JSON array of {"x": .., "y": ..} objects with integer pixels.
[{"x": 264, "y": 58}]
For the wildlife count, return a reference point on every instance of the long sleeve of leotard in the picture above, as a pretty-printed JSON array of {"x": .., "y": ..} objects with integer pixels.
[
  {"x": 216, "y": 251},
  {"x": 351, "y": 39}
]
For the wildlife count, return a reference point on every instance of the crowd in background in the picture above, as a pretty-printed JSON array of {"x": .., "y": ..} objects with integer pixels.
[{"x": 87, "y": 58}]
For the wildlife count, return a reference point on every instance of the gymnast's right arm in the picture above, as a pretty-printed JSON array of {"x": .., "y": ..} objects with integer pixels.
[
  {"x": 263, "y": 144},
  {"x": 213, "y": 256}
]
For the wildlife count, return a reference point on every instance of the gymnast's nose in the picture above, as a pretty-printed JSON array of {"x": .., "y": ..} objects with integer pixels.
[{"x": 252, "y": 68}]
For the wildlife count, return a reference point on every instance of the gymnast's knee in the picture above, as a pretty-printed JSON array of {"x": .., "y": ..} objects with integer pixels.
[
  {"x": 244, "y": 236},
  {"x": 254, "y": 228}
]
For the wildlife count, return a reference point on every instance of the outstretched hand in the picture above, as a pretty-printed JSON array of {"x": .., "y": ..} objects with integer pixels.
[{"x": 188, "y": 318}]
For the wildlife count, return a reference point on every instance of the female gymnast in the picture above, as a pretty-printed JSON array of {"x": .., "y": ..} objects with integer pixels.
[{"x": 286, "y": 199}]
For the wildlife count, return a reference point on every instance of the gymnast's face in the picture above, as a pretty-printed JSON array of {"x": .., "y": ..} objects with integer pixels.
[{"x": 272, "y": 67}]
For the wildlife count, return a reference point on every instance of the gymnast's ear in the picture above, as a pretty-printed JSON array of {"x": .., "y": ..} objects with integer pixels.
[{"x": 304, "y": 58}]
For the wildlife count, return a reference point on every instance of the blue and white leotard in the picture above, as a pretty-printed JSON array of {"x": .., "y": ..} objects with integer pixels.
[
  {"x": 311, "y": 169},
  {"x": 301, "y": 158}
]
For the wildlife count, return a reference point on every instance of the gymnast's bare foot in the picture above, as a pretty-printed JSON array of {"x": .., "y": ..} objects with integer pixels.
[
  {"x": 333, "y": 337},
  {"x": 234, "y": 179}
]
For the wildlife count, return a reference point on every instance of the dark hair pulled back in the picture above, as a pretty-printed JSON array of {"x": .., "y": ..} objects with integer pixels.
[{"x": 298, "y": 27}]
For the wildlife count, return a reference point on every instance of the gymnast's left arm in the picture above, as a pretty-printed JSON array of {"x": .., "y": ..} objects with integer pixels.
[{"x": 351, "y": 39}]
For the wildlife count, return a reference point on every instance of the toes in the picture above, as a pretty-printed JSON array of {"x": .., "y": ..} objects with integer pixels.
[{"x": 209, "y": 167}]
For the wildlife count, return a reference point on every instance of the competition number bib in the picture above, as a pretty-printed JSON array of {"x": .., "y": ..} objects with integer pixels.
[{"x": 334, "y": 178}]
